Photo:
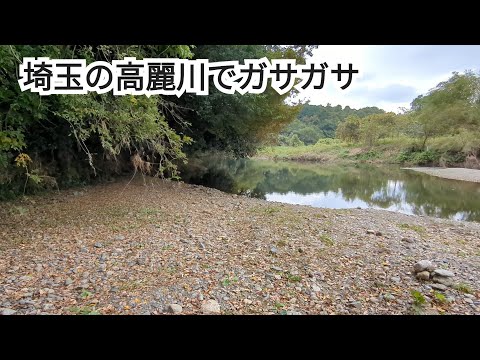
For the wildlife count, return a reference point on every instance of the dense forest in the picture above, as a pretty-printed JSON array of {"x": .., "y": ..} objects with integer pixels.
[
  {"x": 318, "y": 122},
  {"x": 64, "y": 140},
  {"x": 441, "y": 127}
]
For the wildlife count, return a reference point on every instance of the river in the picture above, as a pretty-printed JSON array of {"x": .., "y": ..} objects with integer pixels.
[{"x": 339, "y": 187}]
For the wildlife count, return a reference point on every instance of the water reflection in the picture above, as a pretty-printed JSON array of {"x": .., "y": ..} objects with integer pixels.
[{"x": 340, "y": 187}]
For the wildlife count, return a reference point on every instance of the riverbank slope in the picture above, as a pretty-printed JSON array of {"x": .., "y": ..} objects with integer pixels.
[{"x": 117, "y": 249}]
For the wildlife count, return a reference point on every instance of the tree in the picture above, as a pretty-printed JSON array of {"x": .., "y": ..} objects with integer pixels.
[
  {"x": 295, "y": 141},
  {"x": 349, "y": 129},
  {"x": 238, "y": 123},
  {"x": 452, "y": 105},
  {"x": 73, "y": 137}
]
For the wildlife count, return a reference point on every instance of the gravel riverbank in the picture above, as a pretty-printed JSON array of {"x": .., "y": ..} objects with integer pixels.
[
  {"x": 463, "y": 174},
  {"x": 184, "y": 249}
]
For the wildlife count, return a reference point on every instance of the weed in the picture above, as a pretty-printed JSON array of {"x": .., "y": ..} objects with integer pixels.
[
  {"x": 419, "y": 229},
  {"x": 439, "y": 297},
  {"x": 419, "y": 302},
  {"x": 85, "y": 294},
  {"x": 326, "y": 240},
  {"x": 293, "y": 278},
  {"x": 418, "y": 298},
  {"x": 281, "y": 243},
  {"x": 18, "y": 210},
  {"x": 84, "y": 310},
  {"x": 229, "y": 281},
  {"x": 462, "y": 287}
]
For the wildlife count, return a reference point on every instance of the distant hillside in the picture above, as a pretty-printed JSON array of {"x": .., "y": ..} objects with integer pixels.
[{"x": 317, "y": 121}]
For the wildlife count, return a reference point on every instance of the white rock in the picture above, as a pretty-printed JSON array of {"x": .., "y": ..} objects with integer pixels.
[
  {"x": 423, "y": 265},
  {"x": 423, "y": 275},
  {"x": 174, "y": 309},
  {"x": 210, "y": 307},
  {"x": 8, "y": 311},
  {"x": 443, "y": 280},
  {"x": 316, "y": 288},
  {"x": 443, "y": 272},
  {"x": 439, "y": 287}
]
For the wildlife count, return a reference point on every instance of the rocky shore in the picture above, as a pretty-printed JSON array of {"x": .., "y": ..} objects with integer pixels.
[{"x": 174, "y": 248}]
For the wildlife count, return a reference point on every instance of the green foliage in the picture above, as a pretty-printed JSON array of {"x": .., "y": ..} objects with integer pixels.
[
  {"x": 294, "y": 140},
  {"x": 368, "y": 155},
  {"x": 417, "y": 228},
  {"x": 349, "y": 129},
  {"x": 238, "y": 123},
  {"x": 465, "y": 288},
  {"x": 71, "y": 137},
  {"x": 427, "y": 157},
  {"x": 441, "y": 128},
  {"x": 327, "y": 240},
  {"x": 229, "y": 281},
  {"x": 418, "y": 298},
  {"x": 84, "y": 310},
  {"x": 85, "y": 294},
  {"x": 293, "y": 278},
  {"x": 440, "y": 298},
  {"x": 317, "y": 122}
]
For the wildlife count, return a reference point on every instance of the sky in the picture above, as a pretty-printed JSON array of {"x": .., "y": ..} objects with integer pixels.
[{"x": 390, "y": 76}]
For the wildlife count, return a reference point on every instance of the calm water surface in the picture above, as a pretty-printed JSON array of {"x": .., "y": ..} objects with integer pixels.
[{"x": 340, "y": 187}]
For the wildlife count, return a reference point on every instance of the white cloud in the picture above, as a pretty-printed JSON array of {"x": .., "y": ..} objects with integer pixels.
[{"x": 390, "y": 76}]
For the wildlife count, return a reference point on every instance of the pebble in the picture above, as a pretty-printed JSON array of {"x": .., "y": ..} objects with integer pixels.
[
  {"x": 273, "y": 250},
  {"x": 210, "y": 307},
  {"x": 371, "y": 232},
  {"x": 68, "y": 281},
  {"x": 395, "y": 279},
  {"x": 423, "y": 275},
  {"x": 294, "y": 312},
  {"x": 8, "y": 311},
  {"x": 470, "y": 296},
  {"x": 443, "y": 272},
  {"x": 443, "y": 280},
  {"x": 316, "y": 288},
  {"x": 378, "y": 233},
  {"x": 355, "y": 304},
  {"x": 408, "y": 240},
  {"x": 423, "y": 265},
  {"x": 174, "y": 309},
  {"x": 277, "y": 277},
  {"x": 98, "y": 245},
  {"x": 248, "y": 301},
  {"x": 102, "y": 267},
  {"x": 470, "y": 301},
  {"x": 119, "y": 237},
  {"x": 439, "y": 287},
  {"x": 276, "y": 268},
  {"x": 39, "y": 267},
  {"x": 388, "y": 296}
]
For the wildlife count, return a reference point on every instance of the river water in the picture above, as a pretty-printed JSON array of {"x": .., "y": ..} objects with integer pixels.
[{"x": 339, "y": 187}]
